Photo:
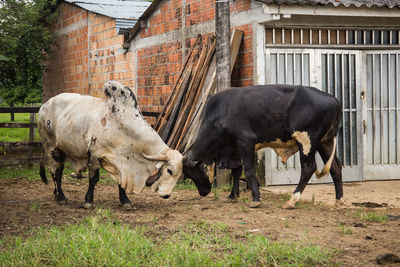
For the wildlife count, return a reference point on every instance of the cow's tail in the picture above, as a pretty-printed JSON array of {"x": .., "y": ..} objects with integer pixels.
[
  {"x": 325, "y": 170},
  {"x": 42, "y": 172}
]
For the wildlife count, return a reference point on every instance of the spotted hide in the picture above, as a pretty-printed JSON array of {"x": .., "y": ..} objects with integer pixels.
[
  {"x": 108, "y": 132},
  {"x": 239, "y": 121}
]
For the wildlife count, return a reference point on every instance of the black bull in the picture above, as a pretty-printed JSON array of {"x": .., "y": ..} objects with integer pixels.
[{"x": 239, "y": 121}]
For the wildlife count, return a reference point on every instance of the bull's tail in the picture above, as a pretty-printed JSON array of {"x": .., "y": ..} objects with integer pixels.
[
  {"x": 42, "y": 172},
  {"x": 328, "y": 164}
]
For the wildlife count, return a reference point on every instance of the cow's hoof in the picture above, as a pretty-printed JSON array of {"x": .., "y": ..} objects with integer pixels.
[
  {"x": 88, "y": 205},
  {"x": 62, "y": 202},
  {"x": 126, "y": 206},
  {"x": 255, "y": 204},
  {"x": 339, "y": 203},
  {"x": 233, "y": 200},
  {"x": 288, "y": 206}
]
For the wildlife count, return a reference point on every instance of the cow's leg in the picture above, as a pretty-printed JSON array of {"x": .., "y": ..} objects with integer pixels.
[
  {"x": 308, "y": 167},
  {"x": 123, "y": 198},
  {"x": 56, "y": 169},
  {"x": 236, "y": 172},
  {"x": 246, "y": 150},
  {"x": 325, "y": 150},
  {"x": 93, "y": 179}
]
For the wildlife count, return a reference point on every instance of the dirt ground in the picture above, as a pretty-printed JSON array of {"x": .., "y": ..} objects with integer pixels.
[{"x": 29, "y": 204}]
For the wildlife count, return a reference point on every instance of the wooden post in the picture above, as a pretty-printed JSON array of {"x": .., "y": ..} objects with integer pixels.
[
  {"x": 32, "y": 128},
  {"x": 223, "y": 62}
]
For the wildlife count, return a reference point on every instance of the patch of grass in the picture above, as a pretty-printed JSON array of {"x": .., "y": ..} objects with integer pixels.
[
  {"x": 345, "y": 230},
  {"x": 16, "y": 134},
  {"x": 101, "y": 240},
  {"x": 35, "y": 206},
  {"x": 216, "y": 194},
  {"x": 185, "y": 184},
  {"x": 372, "y": 216},
  {"x": 30, "y": 173}
]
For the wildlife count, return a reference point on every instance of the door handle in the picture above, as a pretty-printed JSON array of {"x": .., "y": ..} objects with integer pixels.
[
  {"x": 364, "y": 126},
  {"x": 362, "y": 95}
]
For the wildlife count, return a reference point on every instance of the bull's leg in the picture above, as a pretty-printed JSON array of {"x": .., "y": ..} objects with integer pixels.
[
  {"x": 57, "y": 160},
  {"x": 93, "y": 179},
  {"x": 246, "y": 150},
  {"x": 236, "y": 172},
  {"x": 308, "y": 167},
  {"x": 123, "y": 198},
  {"x": 325, "y": 150}
]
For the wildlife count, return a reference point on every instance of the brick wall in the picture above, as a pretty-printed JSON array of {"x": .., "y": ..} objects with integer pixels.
[
  {"x": 160, "y": 63},
  {"x": 88, "y": 53},
  {"x": 67, "y": 65}
]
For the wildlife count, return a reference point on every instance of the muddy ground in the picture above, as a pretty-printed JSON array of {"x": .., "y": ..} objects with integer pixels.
[{"x": 29, "y": 204}]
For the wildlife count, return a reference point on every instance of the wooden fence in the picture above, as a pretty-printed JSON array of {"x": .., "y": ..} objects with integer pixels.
[
  {"x": 20, "y": 153},
  {"x": 27, "y": 152}
]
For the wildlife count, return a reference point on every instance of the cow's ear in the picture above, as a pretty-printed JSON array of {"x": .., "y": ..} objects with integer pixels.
[{"x": 154, "y": 177}]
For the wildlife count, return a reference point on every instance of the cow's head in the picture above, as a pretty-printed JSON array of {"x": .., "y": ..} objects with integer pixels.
[
  {"x": 195, "y": 170},
  {"x": 168, "y": 171}
]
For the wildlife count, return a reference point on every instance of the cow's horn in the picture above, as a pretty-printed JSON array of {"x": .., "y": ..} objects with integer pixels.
[{"x": 160, "y": 157}]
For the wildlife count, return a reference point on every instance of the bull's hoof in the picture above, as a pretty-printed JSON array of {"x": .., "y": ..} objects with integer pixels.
[
  {"x": 233, "y": 200},
  {"x": 62, "y": 202},
  {"x": 255, "y": 204},
  {"x": 126, "y": 206},
  {"x": 339, "y": 203},
  {"x": 88, "y": 205},
  {"x": 288, "y": 205}
]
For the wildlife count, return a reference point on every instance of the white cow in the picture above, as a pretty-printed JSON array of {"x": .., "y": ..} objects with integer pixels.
[{"x": 109, "y": 132}]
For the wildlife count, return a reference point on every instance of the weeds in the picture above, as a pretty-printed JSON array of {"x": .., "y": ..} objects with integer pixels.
[
  {"x": 345, "y": 230},
  {"x": 99, "y": 241},
  {"x": 372, "y": 216}
]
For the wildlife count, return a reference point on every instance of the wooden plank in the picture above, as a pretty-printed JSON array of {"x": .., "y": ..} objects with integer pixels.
[
  {"x": 19, "y": 109},
  {"x": 15, "y": 144},
  {"x": 18, "y": 125},
  {"x": 191, "y": 93},
  {"x": 150, "y": 113},
  {"x": 209, "y": 87},
  {"x": 210, "y": 53},
  {"x": 174, "y": 113},
  {"x": 20, "y": 161},
  {"x": 161, "y": 115}
]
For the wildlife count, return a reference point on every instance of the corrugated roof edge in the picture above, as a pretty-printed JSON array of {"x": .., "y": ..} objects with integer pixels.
[
  {"x": 334, "y": 3},
  {"x": 136, "y": 28},
  {"x": 143, "y": 17}
]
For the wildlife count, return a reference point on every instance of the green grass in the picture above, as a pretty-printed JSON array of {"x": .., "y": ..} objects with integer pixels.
[
  {"x": 30, "y": 173},
  {"x": 372, "y": 216},
  {"x": 102, "y": 240},
  {"x": 15, "y": 134}
]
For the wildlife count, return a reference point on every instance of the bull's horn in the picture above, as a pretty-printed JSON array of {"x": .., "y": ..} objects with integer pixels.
[{"x": 160, "y": 157}]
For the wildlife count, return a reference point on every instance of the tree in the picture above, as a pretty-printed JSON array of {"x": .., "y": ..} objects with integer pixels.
[{"x": 25, "y": 41}]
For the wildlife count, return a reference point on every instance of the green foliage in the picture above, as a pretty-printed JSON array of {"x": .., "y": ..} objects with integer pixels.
[
  {"x": 26, "y": 41},
  {"x": 102, "y": 240}
]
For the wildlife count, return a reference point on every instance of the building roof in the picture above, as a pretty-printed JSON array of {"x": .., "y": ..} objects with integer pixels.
[
  {"x": 346, "y": 3},
  {"x": 119, "y": 9}
]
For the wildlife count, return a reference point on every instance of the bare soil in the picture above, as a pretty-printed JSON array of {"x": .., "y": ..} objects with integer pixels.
[{"x": 29, "y": 204}]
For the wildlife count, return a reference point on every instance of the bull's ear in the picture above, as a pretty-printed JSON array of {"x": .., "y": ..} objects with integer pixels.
[
  {"x": 154, "y": 177},
  {"x": 188, "y": 162}
]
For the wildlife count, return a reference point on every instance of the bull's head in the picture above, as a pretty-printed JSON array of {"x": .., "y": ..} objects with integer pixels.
[
  {"x": 168, "y": 171},
  {"x": 195, "y": 170}
]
